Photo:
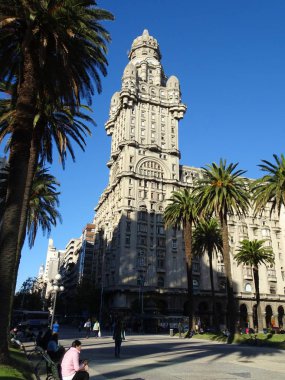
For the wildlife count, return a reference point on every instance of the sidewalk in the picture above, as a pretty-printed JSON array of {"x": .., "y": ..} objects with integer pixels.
[{"x": 160, "y": 357}]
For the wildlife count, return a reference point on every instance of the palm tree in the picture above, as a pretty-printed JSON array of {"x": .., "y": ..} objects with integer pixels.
[
  {"x": 253, "y": 253},
  {"x": 43, "y": 201},
  {"x": 58, "y": 125},
  {"x": 271, "y": 187},
  {"x": 42, "y": 205},
  {"x": 207, "y": 238},
  {"x": 221, "y": 190},
  {"x": 181, "y": 212},
  {"x": 54, "y": 50}
]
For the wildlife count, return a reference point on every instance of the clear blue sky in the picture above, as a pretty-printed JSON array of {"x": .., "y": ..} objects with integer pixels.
[{"x": 230, "y": 59}]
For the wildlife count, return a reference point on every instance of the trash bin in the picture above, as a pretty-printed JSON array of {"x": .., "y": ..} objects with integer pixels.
[{"x": 171, "y": 332}]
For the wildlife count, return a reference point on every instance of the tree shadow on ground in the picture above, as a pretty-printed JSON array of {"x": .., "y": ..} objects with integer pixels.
[{"x": 168, "y": 353}]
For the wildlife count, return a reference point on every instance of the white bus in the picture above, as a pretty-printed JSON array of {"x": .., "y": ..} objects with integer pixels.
[{"x": 30, "y": 318}]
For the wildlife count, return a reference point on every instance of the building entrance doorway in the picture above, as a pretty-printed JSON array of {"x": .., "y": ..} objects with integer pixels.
[
  {"x": 280, "y": 316},
  {"x": 268, "y": 316},
  {"x": 243, "y": 319}
]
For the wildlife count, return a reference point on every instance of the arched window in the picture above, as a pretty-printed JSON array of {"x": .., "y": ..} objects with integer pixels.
[
  {"x": 248, "y": 287},
  {"x": 151, "y": 169}
]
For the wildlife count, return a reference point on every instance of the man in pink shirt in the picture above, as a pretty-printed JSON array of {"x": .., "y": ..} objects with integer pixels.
[{"x": 71, "y": 368}]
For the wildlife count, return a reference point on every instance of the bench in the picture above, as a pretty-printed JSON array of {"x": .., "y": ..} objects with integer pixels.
[{"x": 52, "y": 372}]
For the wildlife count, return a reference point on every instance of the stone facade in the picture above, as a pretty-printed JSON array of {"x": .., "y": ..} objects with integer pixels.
[{"x": 140, "y": 266}]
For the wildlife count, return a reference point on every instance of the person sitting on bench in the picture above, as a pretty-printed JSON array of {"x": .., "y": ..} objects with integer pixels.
[{"x": 71, "y": 369}]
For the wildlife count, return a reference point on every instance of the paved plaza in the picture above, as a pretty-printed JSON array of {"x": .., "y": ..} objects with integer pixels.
[{"x": 160, "y": 357}]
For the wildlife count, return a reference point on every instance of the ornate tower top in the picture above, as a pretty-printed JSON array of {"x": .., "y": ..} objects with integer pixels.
[{"x": 144, "y": 46}]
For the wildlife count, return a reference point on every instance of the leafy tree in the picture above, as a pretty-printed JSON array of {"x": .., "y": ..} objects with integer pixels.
[
  {"x": 253, "y": 253},
  {"x": 220, "y": 191},
  {"x": 207, "y": 238},
  {"x": 28, "y": 297},
  {"x": 53, "y": 50},
  {"x": 181, "y": 212},
  {"x": 271, "y": 187}
]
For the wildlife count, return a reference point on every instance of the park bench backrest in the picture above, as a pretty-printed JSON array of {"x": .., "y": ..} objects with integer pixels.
[{"x": 52, "y": 368}]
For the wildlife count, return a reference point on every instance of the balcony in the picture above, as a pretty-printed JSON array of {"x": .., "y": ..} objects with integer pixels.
[
  {"x": 271, "y": 275},
  {"x": 247, "y": 273}
]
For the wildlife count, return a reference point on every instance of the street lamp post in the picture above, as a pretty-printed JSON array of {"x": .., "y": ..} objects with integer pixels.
[{"x": 56, "y": 287}]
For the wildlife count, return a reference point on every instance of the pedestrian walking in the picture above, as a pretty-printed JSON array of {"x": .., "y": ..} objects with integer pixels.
[
  {"x": 87, "y": 326},
  {"x": 71, "y": 369},
  {"x": 118, "y": 337},
  {"x": 96, "y": 329},
  {"x": 180, "y": 329}
]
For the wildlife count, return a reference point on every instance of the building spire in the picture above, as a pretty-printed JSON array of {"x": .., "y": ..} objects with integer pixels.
[{"x": 145, "y": 46}]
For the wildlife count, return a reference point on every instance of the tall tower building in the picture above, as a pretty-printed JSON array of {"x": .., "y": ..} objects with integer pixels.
[
  {"x": 140, "y": 266},
  {"x": 133, "y": 249}
]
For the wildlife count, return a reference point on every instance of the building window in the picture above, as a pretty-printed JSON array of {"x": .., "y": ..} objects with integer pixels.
[
  {"x": 142, "y": 215},
  {"x": 196, "y": 267},
  {"x": 196, "y": 283},
  {"x": 160, "y": 230},
  {"x": 272, "y": 289},
  {"x": 160, "y": 281},
  {"x": 142, "y": 240},
  {"x": 265, "y": 232},
  {"x": 128, "y": 227},
  {"x": 248, "y": 287},
  {"x": 174, "y": 244},
  {"x": 127, "y": 240},
  {"x": 140, "y": 280},
  {"x": 222, "y": 285},
  {"x": 142, "y": 227}
]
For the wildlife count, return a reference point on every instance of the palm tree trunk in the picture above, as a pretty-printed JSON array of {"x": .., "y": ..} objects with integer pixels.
[
  {"x": 257, "y": 297},
  {"x": 33, "y": 161},
  {"x": 18, "y": 164},
  {"x": 215, "y": 321},
  {"x": 231, "y": 308},
  {"x": 188, "y": 254}
]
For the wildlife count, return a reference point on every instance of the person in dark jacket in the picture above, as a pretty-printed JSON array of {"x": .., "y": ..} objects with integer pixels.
[
  {"x": 45, "y": 339},
  {"x": 118, "y": 337}
]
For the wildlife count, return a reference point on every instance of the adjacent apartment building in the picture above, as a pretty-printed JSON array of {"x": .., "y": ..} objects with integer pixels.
[{"x": 139, "y": 265}]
